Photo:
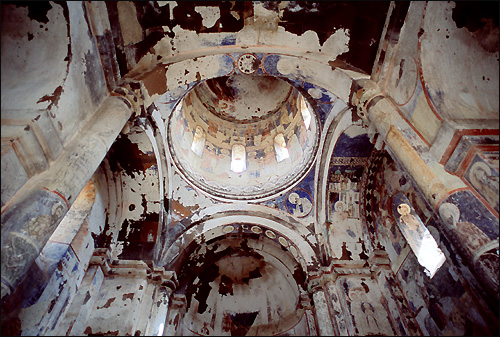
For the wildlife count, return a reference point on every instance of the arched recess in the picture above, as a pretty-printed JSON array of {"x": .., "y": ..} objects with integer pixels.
[
  {"x": 242, "y": 282},
  {"x": 327, "y": 144},
  {"x": 237, "y": 267},
  {"x": 196, "y": 229},
  {"x": 133, "y": 171},
  {"x": 346, "y": 148}
]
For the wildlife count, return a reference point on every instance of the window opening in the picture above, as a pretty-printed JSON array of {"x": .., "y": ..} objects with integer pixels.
[
  {"x": 238, "y": 158},
  {"x": 280, "y": 148},
  {"x": 198, "y": 141},
  {"x": 419, "y": 238},
  {"x": 306, "y": 113}
]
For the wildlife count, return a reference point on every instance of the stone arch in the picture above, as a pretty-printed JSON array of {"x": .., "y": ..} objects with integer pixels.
[
  {"x": 328, "y": 141},
  {"x": 275, "y": 252},
  {"x": 162, "y": 77},
  {"x": 135, "y": 189},
  {"x": 335, "y": 128},
  {"x": 197, "y": 227}
]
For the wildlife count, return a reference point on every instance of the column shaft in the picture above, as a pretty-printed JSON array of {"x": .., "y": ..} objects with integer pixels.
[
  {"x": 159, "y": 310},
  {"x": 37, "y": 209},
  {"x": 323, "y": 318}
]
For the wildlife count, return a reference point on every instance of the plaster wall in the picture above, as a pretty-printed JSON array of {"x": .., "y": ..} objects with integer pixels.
[
  {"x": 437, "y": 306},
  {"x": 437, "y": 72}
]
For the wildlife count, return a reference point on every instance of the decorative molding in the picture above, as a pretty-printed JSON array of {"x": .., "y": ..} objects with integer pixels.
[
  {"x": 463, "y": 143},
  {"x": 349, "y": 161}
]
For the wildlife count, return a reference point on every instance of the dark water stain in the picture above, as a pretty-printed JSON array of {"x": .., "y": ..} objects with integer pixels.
[
  {"x": 139, "y": 237},
  {"x": 87, "y": 298},
  {"x": 481, "y": 19},
  {"x": 53, "y": 99},
  {"x": 474, "y": 15},
  {"x": 128, "y": 156},
  {"x": 94, "y": 79},
  {"x": 110, "y": 66},
  {"x": 226, "y": 285},
  {"x": 108, "y": 303},
  {"x": 147, "y": 43},
  {"x": 206, "y": 276},
  {"x": 37, "y": 10},
  {"x": 363, "y": 19},
  {"x": 128, "y": 296}
]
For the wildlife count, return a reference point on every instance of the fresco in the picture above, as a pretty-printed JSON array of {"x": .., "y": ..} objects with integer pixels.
[
  {"x": 343, "y": 230},
  {"x": 363, "y": 302},
  {"x": 299, "y": 202},
  {"x": 443, "y": 304},
  {"x": 484, "y": 180}
]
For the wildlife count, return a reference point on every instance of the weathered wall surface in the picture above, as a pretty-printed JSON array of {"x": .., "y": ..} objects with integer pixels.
[
  {"x": 435, "y": 66},
  {"x": 443, "y": 66},
  {"x": 450, "y": 301},
  {"x": 45, "y": 295},
  {"x": 63, "y": 93}
]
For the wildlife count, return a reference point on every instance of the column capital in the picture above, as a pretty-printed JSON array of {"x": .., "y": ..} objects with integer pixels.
[
  {"x": 166, "y": 278},
  {"x": 365, "y": 91},
  {"x": 132, "y": 94},
  {"x": 305, "y": 300},
  {"x": 314, "y": 285}
]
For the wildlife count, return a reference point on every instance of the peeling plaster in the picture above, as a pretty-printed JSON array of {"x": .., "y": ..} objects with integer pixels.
[{"x": 210, "y": 15}]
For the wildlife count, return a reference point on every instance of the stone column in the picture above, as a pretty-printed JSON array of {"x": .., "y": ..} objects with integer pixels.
[
  {"x": 36, "y": 210},
  {"x": 158, "y": 315},
  {"x": 378, "y": 112},
  {"x": 466, "y": 218},
  {"x": 323, "y": 319},
  {"x": 334, "y": 303},
  {"x": 176, "y": 311},
  {"x": 305, "y": 302},
  {"x": 161, "y": 299}
]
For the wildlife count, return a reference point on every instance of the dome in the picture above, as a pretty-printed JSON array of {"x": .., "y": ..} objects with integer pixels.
[{"x": 243, "y": 137}]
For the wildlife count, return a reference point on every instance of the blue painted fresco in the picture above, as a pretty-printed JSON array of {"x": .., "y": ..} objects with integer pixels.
[
  {"x": 472, "y": 210},
  {"x": 358, "y": 146},
  {"x": 483, "y": 177},
  {"x": 308, "y": 182},
  {"x": 269, "y": 64},
  {"x": 299, "y": 202},
  {"x": 229, "y": 40}
]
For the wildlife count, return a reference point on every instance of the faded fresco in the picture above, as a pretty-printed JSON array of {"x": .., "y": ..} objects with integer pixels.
[
  {"x": 343, "y": 230},
  {"x": 443, "y": 304},
  {"x": 362, "y": 300}
]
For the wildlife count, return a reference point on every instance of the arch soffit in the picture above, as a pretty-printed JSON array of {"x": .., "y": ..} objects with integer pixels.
[
  {"x": 209, "y": 223},
  {"x": 142, "y": 136},
  {"x": 334, "y": 127},
  {"x": 182, "y": 71},
  {"x": 143, "y": 133}
]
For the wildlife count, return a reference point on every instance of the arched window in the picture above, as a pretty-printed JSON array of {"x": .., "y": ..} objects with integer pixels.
[
  {"x": 280, "y": 147},
  {"x": 238, "y": 158},
  {"x": 417, "y": 235},
  {"x": 198, "y": 141},
  {"x": 306, "y": 113}
]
